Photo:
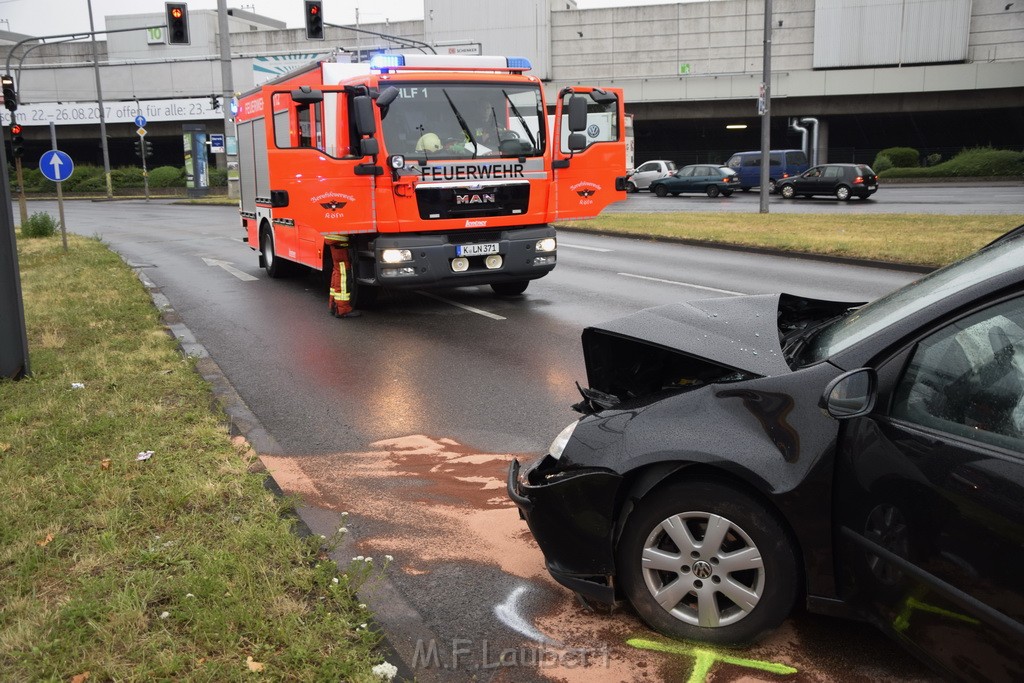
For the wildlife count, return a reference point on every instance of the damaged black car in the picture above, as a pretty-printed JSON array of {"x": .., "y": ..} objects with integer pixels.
[{"x": 738, "y": 455}]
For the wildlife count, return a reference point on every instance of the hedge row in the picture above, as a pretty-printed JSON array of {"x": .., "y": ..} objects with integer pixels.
[
  {"x": 982, "y": 162},
  {"x": 90, "y": 179}
]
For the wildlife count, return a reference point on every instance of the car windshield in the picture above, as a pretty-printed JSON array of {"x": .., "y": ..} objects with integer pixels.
[
  {"x": 431, "y": 120},
  {"x": 918, "y": 295}
]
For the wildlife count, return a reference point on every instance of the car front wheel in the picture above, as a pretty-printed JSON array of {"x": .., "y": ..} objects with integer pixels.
[
  {"x": 705, "y": 561},
  {"x": 661, "y": 191},
  {"x": 788, "y": 192},
  {"x": 630, "y": 186},
  {"x": 843, "y": 193},
  {"x": 771, "y": 186}
]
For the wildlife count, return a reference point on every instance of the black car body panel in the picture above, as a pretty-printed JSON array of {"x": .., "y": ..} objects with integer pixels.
[{"x": 906, "y": 513}]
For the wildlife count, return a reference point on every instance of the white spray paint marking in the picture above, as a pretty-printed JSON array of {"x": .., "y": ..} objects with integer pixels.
[
  {"x": 226, "y": 265},
  {"x": 508, "y": 614}
]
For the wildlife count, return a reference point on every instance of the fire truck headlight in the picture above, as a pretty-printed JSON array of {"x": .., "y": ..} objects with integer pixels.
[
  {"x": 396, "y": 161},
  {"x": 546, "y": 244},
  {"x": 493, "y": 262},
  {"x": 396, "y": 255},
  {"x": 460, "y": 265}
]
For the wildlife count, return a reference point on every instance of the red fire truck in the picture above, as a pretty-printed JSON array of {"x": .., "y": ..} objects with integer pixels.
[{"x": 439, "y": 170}]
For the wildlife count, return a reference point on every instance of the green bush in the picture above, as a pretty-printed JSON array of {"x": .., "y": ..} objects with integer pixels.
[
  {"x": 84, "y": 175},
  {"x": 96, "y": 183},
  {"x": 933, "y": 159},
  {"x": 39, "y": 224},
  {"x": 218, "y": 177},
  {"x": 982, "y": 162},
  {"x": 126, "y": 177},
  {"x": 881, "y": 163},
  {"x": 167, "y": 176},
  {"x": 901, "y": 157}
]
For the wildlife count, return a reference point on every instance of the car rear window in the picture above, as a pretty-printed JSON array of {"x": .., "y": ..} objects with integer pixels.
[
  {"x": 865, "y": 170},
  {"x": 796, "y": 158},
  {"x": 671, "y": 165}
]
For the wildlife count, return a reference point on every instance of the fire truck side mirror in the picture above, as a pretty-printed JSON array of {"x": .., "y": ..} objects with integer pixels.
[
  {"x": 306, "y": 95},
  {"x": 577, "y": 142},
  {"x": 362, "y": 112},
  {"x": 387, "y": 96},
  {"x": 577, "y": 114},
  {"x": 602, "y": 97},
  {"x": 369, "y": 147}
]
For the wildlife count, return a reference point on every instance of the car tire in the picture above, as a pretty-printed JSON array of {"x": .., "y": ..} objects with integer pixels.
[
  {"x": 510, "y": 288},
  {"x": 772, "y": 185},
  {"x": 631, "y": 187},
  {"x": 745, "y": 189},
  {"x": 788, "y": 192},
  {"x": 713, "y": 191},
  {"x": 843, "y": 193},
  {"x": 759, "y": 592},
  {"x": 661, "y": 191}
]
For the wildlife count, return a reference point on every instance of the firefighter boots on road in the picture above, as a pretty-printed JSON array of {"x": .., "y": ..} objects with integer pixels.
[{"x": 338, "y": 297}]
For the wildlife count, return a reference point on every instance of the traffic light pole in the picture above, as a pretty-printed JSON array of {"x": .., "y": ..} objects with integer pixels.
[{"x": 13, "y": 335}]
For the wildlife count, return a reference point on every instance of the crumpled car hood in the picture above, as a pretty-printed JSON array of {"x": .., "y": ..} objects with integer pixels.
[{"x": 740, "y": 333}]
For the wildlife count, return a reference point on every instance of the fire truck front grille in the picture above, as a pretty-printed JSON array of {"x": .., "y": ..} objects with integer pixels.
[{"x": 472, "y": 202}]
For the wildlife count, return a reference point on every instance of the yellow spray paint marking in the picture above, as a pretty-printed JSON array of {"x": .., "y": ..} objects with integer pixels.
[
  {"x": 902, "y": 620},
  {"x": 708, "y": 658}
]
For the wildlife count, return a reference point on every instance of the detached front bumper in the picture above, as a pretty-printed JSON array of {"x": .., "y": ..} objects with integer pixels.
[
  {"x": 571, "y": 514},
  {"x": 432, "y": 256}
]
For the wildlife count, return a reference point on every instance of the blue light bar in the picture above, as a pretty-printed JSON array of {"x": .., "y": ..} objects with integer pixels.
[
  {"x": 386, "y": 61},
  {"x": 519, "y": 63}
]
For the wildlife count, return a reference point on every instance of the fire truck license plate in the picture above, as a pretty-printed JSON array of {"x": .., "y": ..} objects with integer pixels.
[{"x": 476, "y": 249}]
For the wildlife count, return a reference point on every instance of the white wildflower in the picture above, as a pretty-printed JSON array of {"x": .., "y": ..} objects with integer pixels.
[
  {"x": 342, "y": 530},
  {"x": 389, "y": 558},
  {"x": 164, "y": 615},
  {"x": 385, "y": 671},
  {"x": 334, "y": 580}
]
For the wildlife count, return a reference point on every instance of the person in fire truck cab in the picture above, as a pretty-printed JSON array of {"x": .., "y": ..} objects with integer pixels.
[{"x": 338, "y": 296}]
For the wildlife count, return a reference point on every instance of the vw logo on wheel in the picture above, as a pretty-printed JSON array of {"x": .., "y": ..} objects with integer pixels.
[{"x": 702, "y": 569}]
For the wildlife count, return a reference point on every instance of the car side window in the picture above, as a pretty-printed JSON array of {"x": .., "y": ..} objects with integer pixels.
[
  {"x": 967, "y": 379},
  {"x": 686, "y": 172},
  {"x": 813, "y": 173},
  {"x": 647, "y": 167},
  {"x": 734, "y": 162},
  {"x": 831, "y": 172}
]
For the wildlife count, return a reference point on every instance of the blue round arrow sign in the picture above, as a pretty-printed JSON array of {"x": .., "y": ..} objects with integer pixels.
[
  {"x": 140, "y": 120},
  {"x": 55, "y": 165}
]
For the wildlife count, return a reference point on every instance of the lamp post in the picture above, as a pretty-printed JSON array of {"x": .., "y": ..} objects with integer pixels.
[{"x": 765, "y": 106}]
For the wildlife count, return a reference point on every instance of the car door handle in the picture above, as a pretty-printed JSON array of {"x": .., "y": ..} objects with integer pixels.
[{"x": 967, "y": 482}]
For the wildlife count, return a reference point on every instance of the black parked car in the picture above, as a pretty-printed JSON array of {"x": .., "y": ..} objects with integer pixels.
[
  {"x": 736, "y": 455},
  {"x": 841, "y": 181}
]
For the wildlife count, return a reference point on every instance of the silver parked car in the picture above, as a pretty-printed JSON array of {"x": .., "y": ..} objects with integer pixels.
[{"x": 647, "y": 172}]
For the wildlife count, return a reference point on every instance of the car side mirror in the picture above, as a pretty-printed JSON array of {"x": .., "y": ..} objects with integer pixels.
[{"x": 851, "y": 394}]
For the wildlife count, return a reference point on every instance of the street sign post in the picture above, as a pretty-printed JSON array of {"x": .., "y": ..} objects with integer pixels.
[{"x": 57, "y": 166}]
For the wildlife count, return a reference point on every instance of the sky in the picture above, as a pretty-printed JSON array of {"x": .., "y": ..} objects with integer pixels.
[{"x": 51, "y": 17}]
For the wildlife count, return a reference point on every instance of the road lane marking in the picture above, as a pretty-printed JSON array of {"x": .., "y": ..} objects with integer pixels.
[
  {"x": 580, "y": 246},
  {"x": 681, "y": 284},
  {"x": 226, "y": 265},
  {"x": 486, "y": 314}
]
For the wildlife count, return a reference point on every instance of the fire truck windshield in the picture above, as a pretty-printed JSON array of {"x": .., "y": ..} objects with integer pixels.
[{"x": 435, "y": 120}]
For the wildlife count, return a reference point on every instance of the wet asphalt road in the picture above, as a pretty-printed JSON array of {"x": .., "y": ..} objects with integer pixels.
[{"x": 407, "y": 417}]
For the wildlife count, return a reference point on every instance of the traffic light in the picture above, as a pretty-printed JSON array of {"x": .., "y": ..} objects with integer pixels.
[
  {"x": 314, "y": 20},
  {"x": 10, "y": 94},
  {"x": 177, "y": 23},
  {"x": 143, "y": 148},
  {"x": 17, "y": 142}
]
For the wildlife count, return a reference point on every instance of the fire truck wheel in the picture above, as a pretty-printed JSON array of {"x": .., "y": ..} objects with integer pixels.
[
  {"x": 274, "y": 266},
  {"x": 510, "y": 288}
]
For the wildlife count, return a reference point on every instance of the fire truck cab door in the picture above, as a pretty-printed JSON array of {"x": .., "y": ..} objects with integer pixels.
[
  {"x": 585, "y": 178},
  {"x": 316, "y": 158}
]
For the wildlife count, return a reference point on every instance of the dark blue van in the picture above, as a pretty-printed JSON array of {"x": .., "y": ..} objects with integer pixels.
[{"x": 784, "y": 164}]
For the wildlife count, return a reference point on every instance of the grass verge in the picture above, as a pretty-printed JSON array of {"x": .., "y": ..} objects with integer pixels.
[
  {"x": 929, "y": 240},
  {"x": 181, "y": 566}
]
